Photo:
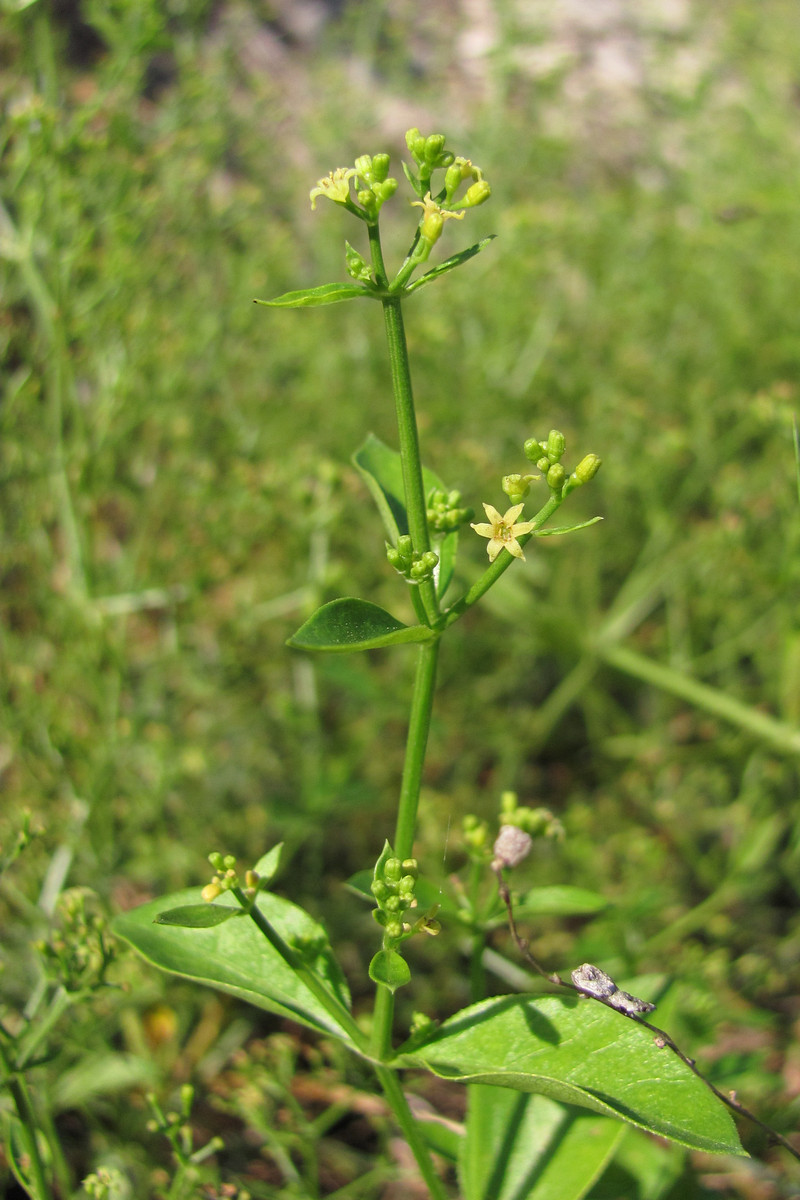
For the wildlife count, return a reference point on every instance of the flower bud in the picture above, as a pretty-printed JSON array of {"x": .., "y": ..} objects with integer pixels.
[
  {"x": 511, "y": 846},
  {"x": 434, "y": 145},
  {"x": 357, "y": 266},
  {"x": 416, "y": 144},
  {"x": 533, "y": 450},
  {"x": 392, "y": 870},
  {"x": 410, "y": 867},
  {"x": 431, "y": 226},
  {"x": 211, "y": 891},
  {"x": 380, "y": 167},
  {"x": 252, "y": 879},
  {"x": 379, "y": 889},
  {"x": 556, "y": 476},
  {"x": 384, "y": 190},
  {"x": 363, "y": 165},
  {"x": 556, "y": 443},
  {"x": 478, "y": 193},
  {"x": 587, "y": 468}
]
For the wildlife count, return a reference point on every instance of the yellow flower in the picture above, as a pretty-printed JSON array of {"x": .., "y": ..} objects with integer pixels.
[
  {"x": 335, "y": 186},
  {"x": 503, "y": 531}
]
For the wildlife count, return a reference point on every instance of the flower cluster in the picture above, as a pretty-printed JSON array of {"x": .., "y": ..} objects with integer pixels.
[{"x": 409, "y": 563}]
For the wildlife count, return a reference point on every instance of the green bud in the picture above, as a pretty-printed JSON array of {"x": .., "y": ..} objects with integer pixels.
[
  {"x": 478, "y": 193},
  {"x": 363, "y": 165},
  {"x": 394, "y": 557},
  {"x": 533, "y": 450},
  {"x": 216, "y": 860},
  {"x": 587, "y": 468},
  {"x": 556, "y": 443},
  {"x": 416, "y": 144},
  {"x": 392, "y": 870},
  {"x": 393, "y": 904},
  {"x": 407, "y": 885},
  {"x": 380, "y": 167},
  {"x": 384, "y": 190},
  {"x": 357, "y": 266},
  {"x": 556, "y": 476},
  {"x": 394, "y": 929},
  {"x": 544, "y": 464},
  {"x": 405, "y": 545},
  {"x": 453, "y": 180},
  {"x": 516, "y": 487},
  {"x": 410, "y": 867},
  {"x": 434, "y": 145},
  {"x": 430, "y": 228},
  {"x": 368, "y": 201},
  {"x": 379, "y": 889}
]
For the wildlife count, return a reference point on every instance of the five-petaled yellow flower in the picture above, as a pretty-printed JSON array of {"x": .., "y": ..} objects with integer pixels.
[
  {"x": 335, "y": 186},
  {"x": 503, "y": 531}
]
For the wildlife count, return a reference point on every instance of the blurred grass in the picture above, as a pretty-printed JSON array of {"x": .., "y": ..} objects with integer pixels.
[{"x": 177, "y": 494}]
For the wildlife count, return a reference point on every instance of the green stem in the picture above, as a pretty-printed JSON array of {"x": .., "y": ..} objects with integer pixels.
[
  {"x": 416, "y": 743},
  {"x": 18, "y": 1090},
  {"x": 406, "y": 422},
  {"x": 341, "y": 1015},
  {"x": 399, "y": 1106}
]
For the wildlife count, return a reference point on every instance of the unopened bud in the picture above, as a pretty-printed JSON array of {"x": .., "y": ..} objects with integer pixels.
[
  {"x": 511, "y": 846},
  {"x": 478, "y": 193},
  {"x": 533, "y": 449},
  {"x": 556, "y": 476},
  {"x": 556, "y": 443},
  {"x": 587, "y": 468},
  {"x": 211, "y": 891}
]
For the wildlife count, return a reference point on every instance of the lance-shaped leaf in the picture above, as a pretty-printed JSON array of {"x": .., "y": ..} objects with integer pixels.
[
  {"x": 326, "y": 293},
  {"x": 583, "y": 1053},
  {"x": 450, "y": 263},
  {"x": 518, "y": 1145},
  {"x": 381, "y": 468},
  {"x": 558, "y": 530},
  {"x": 235, "y": 958},
  {"x": 350, "y": 624}
]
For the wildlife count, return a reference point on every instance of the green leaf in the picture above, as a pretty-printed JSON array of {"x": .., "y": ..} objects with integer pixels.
[
  {"x": 450, "y": 263},
  {"x": 561, "y": 529},
  {"x": 560, "y": 901},
  {"x": 198, "y": 916},
  {"x": 268, "y": 864},
  {"x": 524, "y": 1147},
  {"x": 237, "y": 959},
  {"x": 350, "y": 624},
  {"x": 381, "y": 468},
  {"x": 327, "y": 293},
  {"x": 391, "y": 969},
  {"x": 583, "y": 1053}
]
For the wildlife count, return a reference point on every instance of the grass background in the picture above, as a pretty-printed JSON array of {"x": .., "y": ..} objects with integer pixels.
[{"x": 177, "y": 497}]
